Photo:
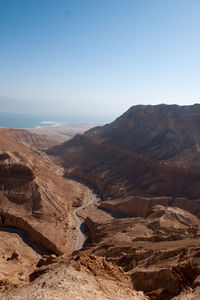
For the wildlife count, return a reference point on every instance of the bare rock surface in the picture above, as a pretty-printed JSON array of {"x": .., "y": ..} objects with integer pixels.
[
  {"x": 124, "y": 176},
  {"x": 189, "y": 294},
  {"x": 17, "y": 259},
  {"x": 161, "y": 132},
  {"x": 149, "y": 151},
  {"x": 159, "y": 252},
  {"x": 146, "y": 166},
  {"x": 84, "y": 277},
  {"x": 35, "y": 207},
  {"x": 143, "y": 232}
]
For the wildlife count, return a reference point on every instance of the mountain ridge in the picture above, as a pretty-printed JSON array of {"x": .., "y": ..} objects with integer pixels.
[
  {"x": 148, "y": 130},
  {"x": 119, "y": 173}
]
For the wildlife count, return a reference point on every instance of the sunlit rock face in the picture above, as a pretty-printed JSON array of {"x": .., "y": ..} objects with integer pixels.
[
  {"x": 159, "y": 252},
  {"x": 35, "y": 206}
]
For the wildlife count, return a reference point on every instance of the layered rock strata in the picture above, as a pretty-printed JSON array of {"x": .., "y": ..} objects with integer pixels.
[
  {"x": 84, "y": 277},
  {"x": 35, "y": 207},
  {"x": 159, "y": 252}
]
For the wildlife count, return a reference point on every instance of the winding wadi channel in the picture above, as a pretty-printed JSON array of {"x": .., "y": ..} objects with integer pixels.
[{"x": 81, "y": 236}]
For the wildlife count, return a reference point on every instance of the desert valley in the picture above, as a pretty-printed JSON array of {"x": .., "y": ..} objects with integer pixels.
[{"x": 109, "y": 213}]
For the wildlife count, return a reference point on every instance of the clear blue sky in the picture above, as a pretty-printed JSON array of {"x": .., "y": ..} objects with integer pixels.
[{"x": 99, "y": 56}]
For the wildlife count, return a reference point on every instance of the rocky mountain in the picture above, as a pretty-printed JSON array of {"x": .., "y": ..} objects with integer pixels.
[
  {"x": 38, "y": 230},
  {"x": 145, "y": 165},
  {"x": 160, "y": 132},
  {"x": 119, "y": 159},
  {"x": 135, "y": 184}
]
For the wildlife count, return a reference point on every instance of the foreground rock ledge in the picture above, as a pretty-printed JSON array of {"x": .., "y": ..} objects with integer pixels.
[{"x": 83, "y": 277}]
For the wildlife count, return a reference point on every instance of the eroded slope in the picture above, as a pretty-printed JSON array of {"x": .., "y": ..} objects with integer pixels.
[
  {"x": 160, "y": 252},
  {"x": 84, "y": 277},
  {"x": 35, "y": 207}
]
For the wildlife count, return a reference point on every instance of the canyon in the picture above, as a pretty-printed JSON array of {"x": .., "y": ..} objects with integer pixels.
[{"x": 112, "y": 213}]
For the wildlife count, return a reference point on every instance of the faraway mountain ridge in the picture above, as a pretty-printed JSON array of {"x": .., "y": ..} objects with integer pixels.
[{"x": 144, "y": 232}]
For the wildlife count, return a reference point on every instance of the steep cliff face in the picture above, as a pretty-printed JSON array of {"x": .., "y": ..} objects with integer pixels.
[
  {"x": 160, "y": 252},
  {"x": 136, "y": 206},
  {"x": 159, "y": 132},
  {"x": 142, "y": 153},
  {"x": 35, "y": 205},
  {"x": 121, "y": 174},
  {"x": 17, "y": 179}
]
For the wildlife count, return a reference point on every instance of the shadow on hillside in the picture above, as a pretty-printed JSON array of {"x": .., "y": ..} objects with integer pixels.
[{"x": 26, "y": 239}]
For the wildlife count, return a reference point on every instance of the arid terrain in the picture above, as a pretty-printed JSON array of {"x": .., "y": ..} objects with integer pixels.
[
  {"x": 57, "y": 134},
  {"x": 112, "y": 213}
]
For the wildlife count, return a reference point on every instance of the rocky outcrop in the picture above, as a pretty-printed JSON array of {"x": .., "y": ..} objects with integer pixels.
[
  {"x": 136, "y": 206},
  {"x": 35, "y": 206},
  {"x": 160, "y": 132},
  {"x": 32, "y": 140},
  {"x": 147, "y": 157},
  {"x": 166, "y": 282},
  {"x": 83, "y": 277},
  {"x": 46, "y": 242},
  {"x": 122, "y": 175},
  {"x": 191, "y": 294},
  {"x": 160, "y": 252},
  {"x": 17, "y": 180},
  {"x": 148, "y": 152}
]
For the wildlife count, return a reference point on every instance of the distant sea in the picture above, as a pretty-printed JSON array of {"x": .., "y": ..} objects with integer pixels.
[{"x": 23, "y": 120}]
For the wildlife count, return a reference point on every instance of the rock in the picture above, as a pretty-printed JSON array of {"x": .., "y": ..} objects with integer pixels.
[
  {"x": 35, "y": 205},
  {"x": 189, "y": 294},
  {"x": 196, "y": 282},
  {"x": 88, "y": 277},
  {"x": 146, "y": 166},
  {"x": 13, "y": 257},
  {"x": 160, "y": 252},
  {"x": 161, "y": 132},
  {"x": 123, "y": 176},
  {"x": 137, "y": 159},
  {"x": 46, "y": 260}
]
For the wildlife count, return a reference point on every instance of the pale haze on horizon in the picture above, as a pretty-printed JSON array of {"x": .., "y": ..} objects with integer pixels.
[{"x": 98, "y": 57}]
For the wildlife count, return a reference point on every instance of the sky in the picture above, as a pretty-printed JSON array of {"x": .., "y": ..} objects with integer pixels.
[{"x": 98, "y": 57}]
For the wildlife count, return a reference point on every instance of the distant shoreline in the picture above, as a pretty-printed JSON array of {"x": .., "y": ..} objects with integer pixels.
[{"x": 31, "y": 121}]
